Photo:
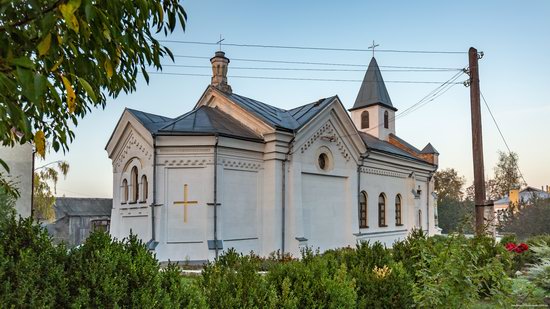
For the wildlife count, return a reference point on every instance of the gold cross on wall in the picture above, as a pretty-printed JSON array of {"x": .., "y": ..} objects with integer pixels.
[{"x": 185, "y": 202}]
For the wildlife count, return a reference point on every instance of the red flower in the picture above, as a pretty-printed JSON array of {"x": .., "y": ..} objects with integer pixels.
[
  {"x": 523, "y": 246},
  {"x": 511, "y": 246},
  {"x": 516, "y": 248}
]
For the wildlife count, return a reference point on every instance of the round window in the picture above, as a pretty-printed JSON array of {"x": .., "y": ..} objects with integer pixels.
[{"x": 323, "y": 161}]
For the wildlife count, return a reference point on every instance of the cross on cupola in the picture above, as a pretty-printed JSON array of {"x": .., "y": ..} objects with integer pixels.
[
  {"x": 373, "y": 46},
  {"x": 219, "y": 42}
]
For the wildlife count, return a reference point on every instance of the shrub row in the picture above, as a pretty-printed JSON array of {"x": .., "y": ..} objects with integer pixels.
[
  {"x": 421, "y": 271},
  {"x": 34, "y": 273}
]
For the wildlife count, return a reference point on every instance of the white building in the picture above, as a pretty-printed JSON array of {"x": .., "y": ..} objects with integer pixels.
[
  {"x": 282, "y": 179},
  {"x": 20, "y": 161}
]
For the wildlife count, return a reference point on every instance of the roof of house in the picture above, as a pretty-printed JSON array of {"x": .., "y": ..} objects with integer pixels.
[
  {"x": 384, "y": 146},
  {"x": 205, "y": 119},
  {"x": 373, "y": 89},
  {"x": 526, "y": 194},
  {"x": 208, "y": 120},
  {"x": 82, "y": 207}
]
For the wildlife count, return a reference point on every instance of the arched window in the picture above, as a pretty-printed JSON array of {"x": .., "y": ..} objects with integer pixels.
[
  {"x": 398, "y": 210},
  {"x": 382, "y": 210},
  {"x": 134, "y": 184},
  {"x": 144, "y": 188},
  {"x": 124, "y": 198},
  {"x": 420, "y": 218},
  {"x": 363, "y": 222},
  {"x": 364, "y": 120},
  {"x": 386, "y": 120}
]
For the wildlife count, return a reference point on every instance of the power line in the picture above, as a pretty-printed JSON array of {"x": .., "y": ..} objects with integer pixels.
[
  {"x": 310, "y": 69},
  {"x": 315, "y": 63},
  {"x": 502, "y": 135},
  {"x": 317, "y": 48},
  {"x": 298, "y": 78}
]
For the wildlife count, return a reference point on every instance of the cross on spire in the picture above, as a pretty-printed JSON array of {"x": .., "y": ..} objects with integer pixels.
[
  {"x": 220, "y": 42},
  {"x": 373, "y": 46}
]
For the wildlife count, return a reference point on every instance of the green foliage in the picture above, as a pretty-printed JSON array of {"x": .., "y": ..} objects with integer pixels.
[
  {"x": 233, "y": 281},
  {"x": 527, "y": 220},
  {"x": 449, "y": 185},
  {"x": 507, "y": 175},
  {"x": 454, "y": 271},
  {"x": 455, "y": 216},
  {"x": 314, "y": 282},
  {"x": 526, "y": 293},
  {"x": 102, "y": 273},
  {"x": 32, "y": 273},
  {"x": 43, "y": 193},
  {"x": 539, "y": 272},
  {"x": 61, "y": 58},
  {"x": 7, "y": 205}
]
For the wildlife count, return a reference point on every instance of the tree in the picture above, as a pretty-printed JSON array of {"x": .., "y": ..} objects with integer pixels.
[
  {"x": 507, "y": 175},
  {"x": 448, "y": 184},
  {"x": 43, "y": 195},
  {"x": 527, "y": 219},
  {"x": 454, "y": 213},
  {"x": 60, "y": 58}
]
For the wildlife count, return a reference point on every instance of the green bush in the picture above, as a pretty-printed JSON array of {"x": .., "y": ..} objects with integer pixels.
[
  {"x": 313, "y": 282},
  {"x": 454, "y": 271},
  {"x": 102, "y": 273},
  {"x": 32, "y": 270},
  {"x": 233, "y": 281}
]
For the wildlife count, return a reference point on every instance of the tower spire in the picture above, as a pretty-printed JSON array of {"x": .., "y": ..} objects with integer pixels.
[{"x": 219, "y": 71}]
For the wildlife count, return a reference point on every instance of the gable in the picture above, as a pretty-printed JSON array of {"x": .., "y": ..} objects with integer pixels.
[
  {"x": 129, "y": 139},
  {"x": 333, "y": 125}
]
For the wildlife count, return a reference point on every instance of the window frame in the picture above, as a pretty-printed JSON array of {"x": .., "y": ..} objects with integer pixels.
[
  {"x": 134, "y": 178},
  {"x": 363, "y": 210},
  {"x": 365, "y": 116},
  {"x": 398, "y": 210},
  {"x": 382, "y": 210}
]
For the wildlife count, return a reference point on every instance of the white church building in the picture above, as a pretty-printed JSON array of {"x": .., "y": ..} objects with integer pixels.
[{"x": 236, "y": 172}]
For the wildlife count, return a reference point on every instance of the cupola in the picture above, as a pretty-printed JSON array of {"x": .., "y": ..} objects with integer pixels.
[{"x": 219, "y": 72}]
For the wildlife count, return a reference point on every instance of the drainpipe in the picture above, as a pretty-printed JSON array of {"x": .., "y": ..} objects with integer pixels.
[
  {"x": 216, "y": 196},
  {"x": 283, "y": 194},
  {"x": 153, "y": 234}
]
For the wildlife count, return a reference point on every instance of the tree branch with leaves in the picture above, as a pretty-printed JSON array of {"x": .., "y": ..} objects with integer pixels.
[{"x": 61, "y": 58}]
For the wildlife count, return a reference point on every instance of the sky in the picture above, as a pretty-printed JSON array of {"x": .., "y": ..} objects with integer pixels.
[{"x": 514, "y": 74}]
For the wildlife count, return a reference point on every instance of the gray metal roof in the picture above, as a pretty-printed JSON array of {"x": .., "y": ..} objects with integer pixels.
[
  {"x": 383, "y": 146},
  {"x": 208, "y": 120},
  {"x": 75, "y": 206},
  {"x": 151, "y": 122},
  {"x": 373, "y": 90},
  {"x": 279, "y": 118},
  {"x": 429, "y": 149}
]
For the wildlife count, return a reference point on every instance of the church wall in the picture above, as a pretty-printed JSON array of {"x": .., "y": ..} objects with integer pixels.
[
  {"x": 19, "y": 159},
  {"x": 132, "y": 215},
  {"x": 322, "y": 199}
]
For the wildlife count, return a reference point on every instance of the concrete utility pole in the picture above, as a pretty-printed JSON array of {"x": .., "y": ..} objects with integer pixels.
[{"x": 481, "y": 204}]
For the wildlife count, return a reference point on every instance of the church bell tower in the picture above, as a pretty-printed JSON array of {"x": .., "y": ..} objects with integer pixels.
[{"x": 373, "y": 112}]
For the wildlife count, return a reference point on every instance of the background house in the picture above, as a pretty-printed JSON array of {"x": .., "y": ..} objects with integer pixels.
[
  {"x": 76, "y": 218},
  {"x": 520, "y": 196}
]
